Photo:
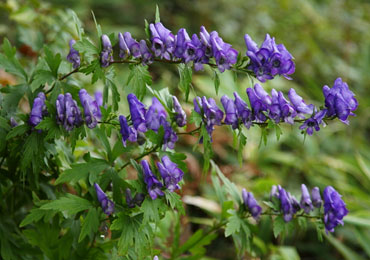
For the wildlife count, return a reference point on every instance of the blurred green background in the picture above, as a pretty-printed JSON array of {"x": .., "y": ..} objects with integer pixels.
[{"x": 328, "y": 39}]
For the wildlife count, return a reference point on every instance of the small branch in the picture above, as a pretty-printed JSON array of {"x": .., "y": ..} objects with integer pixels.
[
  {"x": 154, "y": 149},
  {"x": 68, "y": 74}
]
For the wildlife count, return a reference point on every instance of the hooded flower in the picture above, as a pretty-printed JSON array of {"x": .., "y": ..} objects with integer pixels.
[
  {"x": 170, "y": 136},
  {"x": 242, "y": 110},
  {"x": 127, "y": 132},
  {"x": 137, "y": 200},
  {"x": 334, "y": 209},
  {"x": 306, "y": 203},
  {"x": 316, "y": 198},
  {"x": 281, "y": 109},
  {"x": 170, "y": 173},
  {"x": 286, "y": 204},
  {"x": 38, "y": 109},
  {"x": 153, "y": 185},
  {"x": 209, "y": 111},
  {"x": 154, "y": 114},
  {"x": 340, "y": 101},
  {"x": 163, "y": 41},
  {"x": 106, "y": 204},
  {"x": 270, "y": 59},
  {"x": 251, "y": 203},
  {"x": 73, "y": 115},
  {"x": 137, "y": 111},
  {"x": 260, "y": 102},
  {"x": 299, "y": 104},
  {"x": 225, "y": 55},
  {"x": 314, "y": 122},
  {"x": 73, "y": 55},
  {"x": 182, "y": 38},
  {"x": 230, "y": 111},
  {"x": 128, "y": 46},
  {"x": 92, "y": 111},
  {"x": 180, "y": 115},
  {"x": 106, "y": 55}
]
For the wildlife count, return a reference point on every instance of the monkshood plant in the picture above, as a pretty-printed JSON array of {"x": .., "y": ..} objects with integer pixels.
[{"x": 94, "y": 208}]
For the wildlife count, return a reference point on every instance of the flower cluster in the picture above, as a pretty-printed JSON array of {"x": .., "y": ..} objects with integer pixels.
[
  {"x": 73, "y": 55},
  {"x": 39, "y": 109},
  {"x": 152, "y": 118},
  {"x": 106, "y": 204},
  {"x": 270, "y": 59},
  {"x": 167, "y": 46},
  {"x": 170, "y": 173},
  {"x": 339, "y": 102},
  {"x": 334, "y": 207},
  {"x": 68, "y": 113}
]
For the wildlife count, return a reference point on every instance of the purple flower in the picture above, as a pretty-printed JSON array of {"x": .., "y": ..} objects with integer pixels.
[
  {"x": 72, "y": 113},
  {"x": 209, "y": 111},
  {"x": 299, "y": 104},
  {"x": 13, "y": 123},
  {"x": 182, "y": 38},
  {"x": 128, "y": 46},
  {"x": 334, "y": 209},
  {"x": 61, "y": 110},
  {"x": 137, "y": 111},
  {"x": 340, "y": 101},
  {"x": 195, "y": 52},
  {"x": 106, "y": 55},
  {"x": 243, "y": 112},
  {"x": 171, "y": 174},
  {"x": 260, "y": 102},
  {"x": 106, "y": 204},
  {"x": 162, "y": 41},
  {"x": 251, "y": 203},
  {"x": 230, "y": 111},
  {"x": 180, "y": 115},
  {"x": 225, "y": 55},
  {"x": 73, "y": 55},
  {"x": 170, "y": 136},
  {"x": 146, "y": 55},
  {"x": 91, "y": 109},
  {"x": 153, "y": 185},
  {"x": 281, "y": 109},
  {"x": 316, "y": 198},
  {"x": 127, "y": 132},
  {"x": 270, "y": 59},
  {"x": 38, "y": 109},
  {"x": 314, "y": 122},
  {"x": 306, "y": 203},
  {"x": 286, "y": 204},
  {"x": 154, "y": 114},
  {"x": 274, "y": 192},
  {"x": 137, "y": 200}
]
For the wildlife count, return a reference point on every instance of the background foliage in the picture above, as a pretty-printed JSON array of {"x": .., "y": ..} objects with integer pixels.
[{"x": 327, "y": 38}]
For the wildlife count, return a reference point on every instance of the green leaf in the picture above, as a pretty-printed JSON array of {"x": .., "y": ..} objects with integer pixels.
[
  {"x": 233, "y": 225},
  {"x": 195, "y": 118},
  {"x": 151, "y": 210},
  {"x": 230, "y": 187},
  {"x": 138, "y": 79},
  {"x": 146, "y": 29},
  {"x": 216, "y": 80},
  {"x": 157, "y": 16},
  {"x": 90, "y": 224},
  {"x": 278, "y": 132},
  {"x": 13, "y": 96},
  {"x": 77, "y": 21},
  {"x": 17, "y": 131},
  {"x": 185, "y": 73},
  {"x": 70, "y": 203},
  {"x": 207, "y": 145},
  {"x": 52, "y": 61},
  {"x": 87, "y": 47},
  {"x": 41, "y": 77},
  {"x": 242, "y": 143},
  {"x": 35, "y": 215},
  {"x": 279, "y": 226},
  {"x": 81, "y": 171},
  {"x": 175, "y": 201},
  {"x": 4, "y": 124},
  {"x": 50, "y": 126},
  {"x": 97, "y": 26},
  {"x": 9, "y": 62},
  {"x": 345, "y": 251}
]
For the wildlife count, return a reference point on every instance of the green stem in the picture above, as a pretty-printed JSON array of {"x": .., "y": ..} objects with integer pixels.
[{"x": 154, "y": 149}]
